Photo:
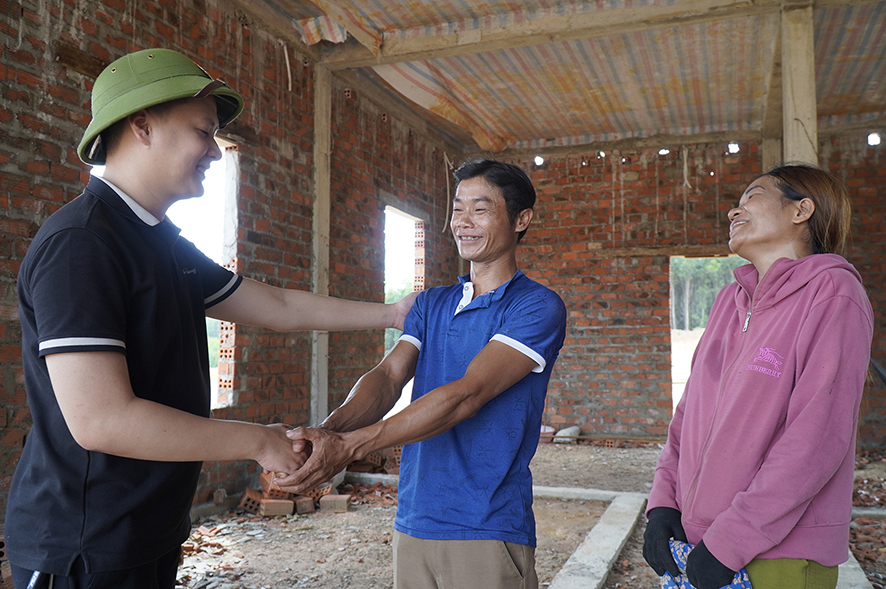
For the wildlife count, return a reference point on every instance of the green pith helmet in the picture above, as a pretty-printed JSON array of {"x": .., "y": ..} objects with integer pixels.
[{"x": 147, "y": 78}]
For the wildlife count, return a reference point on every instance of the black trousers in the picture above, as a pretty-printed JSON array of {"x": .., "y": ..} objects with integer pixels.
[{"x": 158, "y": 574}]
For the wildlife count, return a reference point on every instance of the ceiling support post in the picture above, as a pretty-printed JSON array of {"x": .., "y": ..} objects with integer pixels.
[
  {"x": 320, "y": 237},
  {"x": 798, "y": 85}
]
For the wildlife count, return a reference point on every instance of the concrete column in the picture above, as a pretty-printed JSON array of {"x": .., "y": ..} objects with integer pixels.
[
  {"x": 772, "y": 153},
  {"x": 320, "y": 237},
  {"x": 798, "y": 86}
]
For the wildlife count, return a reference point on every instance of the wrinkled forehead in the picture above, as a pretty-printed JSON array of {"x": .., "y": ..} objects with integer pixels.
[
  {"x": 764, "y": 183},
  {"x": 477, "y": 188}
]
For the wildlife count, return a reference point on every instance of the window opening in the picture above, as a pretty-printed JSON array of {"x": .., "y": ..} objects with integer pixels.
[
  {"x": 694, "y": 284},
  {"x": 404, "y": 272},
  {"x": 209, "y": 222}
]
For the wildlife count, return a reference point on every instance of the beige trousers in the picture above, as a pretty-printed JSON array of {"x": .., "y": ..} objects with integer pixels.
[{"x": 462, "y": 564}]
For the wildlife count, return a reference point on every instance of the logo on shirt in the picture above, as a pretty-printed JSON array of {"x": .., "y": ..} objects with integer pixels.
[
  {"x": 771, "y": 357},
  {"x": 189, "y": 270}
]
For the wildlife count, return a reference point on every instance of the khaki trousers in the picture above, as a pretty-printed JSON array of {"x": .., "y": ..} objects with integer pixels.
[{"x": 462, "y": 564}]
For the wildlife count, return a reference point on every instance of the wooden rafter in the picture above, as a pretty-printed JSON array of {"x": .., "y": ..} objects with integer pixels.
[{"x": 547, "y": 29}]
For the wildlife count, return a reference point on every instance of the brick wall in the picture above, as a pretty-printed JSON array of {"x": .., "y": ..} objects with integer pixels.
[
  {"x": 44, "y": 108},
  {"x": 863, "y": 169},
  {"x": 613, "y": 375},
  {"x": 376, "y": 161}
]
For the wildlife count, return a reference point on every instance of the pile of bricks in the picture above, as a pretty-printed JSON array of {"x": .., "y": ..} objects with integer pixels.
[
  {"x": 201, "y": 541},
  {"x": 383, "y": 461},
  {"x": 274, "y": 501},
  {"x": 378, "y": 495}
]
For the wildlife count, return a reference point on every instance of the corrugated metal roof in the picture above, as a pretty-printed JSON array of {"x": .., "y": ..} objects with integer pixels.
[
  {"x": 686, "y": 80},
  {"x": 705, "y": 76}
]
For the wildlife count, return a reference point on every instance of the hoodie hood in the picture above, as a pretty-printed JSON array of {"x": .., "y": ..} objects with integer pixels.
[{"x": 784, "y": 278}]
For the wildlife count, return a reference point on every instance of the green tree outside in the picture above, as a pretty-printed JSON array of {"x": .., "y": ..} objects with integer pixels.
[
  {"x": 393, "y": 294},
  {"x": 695, "y": 283},
  {"x": 212, "y": 337}
]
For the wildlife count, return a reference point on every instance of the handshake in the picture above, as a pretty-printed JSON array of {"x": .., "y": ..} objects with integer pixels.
[{"x": 305, "y": 457}]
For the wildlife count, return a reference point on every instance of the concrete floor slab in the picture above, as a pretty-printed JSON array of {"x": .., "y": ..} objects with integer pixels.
[
  {"x": 851, "y": 576},
  {"x": 589, "y": 565}
]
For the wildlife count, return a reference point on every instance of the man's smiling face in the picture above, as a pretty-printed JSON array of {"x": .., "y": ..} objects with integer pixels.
[{"x": 480, "y": 224}]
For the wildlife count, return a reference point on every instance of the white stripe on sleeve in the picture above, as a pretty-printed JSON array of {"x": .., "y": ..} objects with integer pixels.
[
  {"x": 526, "y": 350},
  {"x": 66, "y": 342},
  {"x": 412, "y": 340},
  {"x": 208, "y": 301}
]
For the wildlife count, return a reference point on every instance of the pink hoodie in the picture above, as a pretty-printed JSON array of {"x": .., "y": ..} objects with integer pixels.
[{"x": 760, "y": 454}]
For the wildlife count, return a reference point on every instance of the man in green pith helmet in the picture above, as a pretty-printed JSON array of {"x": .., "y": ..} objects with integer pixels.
[{"x": 113, "y": 304}]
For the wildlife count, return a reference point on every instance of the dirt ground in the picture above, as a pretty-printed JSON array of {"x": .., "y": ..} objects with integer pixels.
[{"x": 353, "y": 549}]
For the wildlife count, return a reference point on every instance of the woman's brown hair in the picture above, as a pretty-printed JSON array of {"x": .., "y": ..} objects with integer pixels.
[{"x": 829, "y": 224}]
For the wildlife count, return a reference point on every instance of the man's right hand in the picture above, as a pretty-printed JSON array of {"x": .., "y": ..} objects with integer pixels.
[
  {"x": 664, "y": 523},
  {"x": 330, "y": 453},
  {"x": 278, "y": 453}
]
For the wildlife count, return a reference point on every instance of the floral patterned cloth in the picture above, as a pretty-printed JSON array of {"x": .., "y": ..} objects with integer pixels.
[{"x": 681, "y": 550}]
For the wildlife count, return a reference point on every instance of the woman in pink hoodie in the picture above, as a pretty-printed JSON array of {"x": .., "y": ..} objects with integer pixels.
[{"x": 757, "y": 471}]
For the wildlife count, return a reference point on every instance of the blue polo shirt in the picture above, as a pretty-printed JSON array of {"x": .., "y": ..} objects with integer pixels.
[
  {"x": 102, "y": 274},
  {"x": 473, "y": 481}
]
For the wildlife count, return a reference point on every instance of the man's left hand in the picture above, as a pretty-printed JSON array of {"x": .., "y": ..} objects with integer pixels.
[
  {"x": 329, "y": 455},
  {"x": 401, "y": 310},
  {"x": 705, "y": 571}
]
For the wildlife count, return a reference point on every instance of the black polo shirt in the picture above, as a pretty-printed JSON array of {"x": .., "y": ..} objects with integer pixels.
[{"x": 102, "y": 274}]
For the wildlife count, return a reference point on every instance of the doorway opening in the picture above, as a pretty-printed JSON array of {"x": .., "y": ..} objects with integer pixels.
[
  {"x": 695, "y": 283},
  {"x": 404, "y": 272}
]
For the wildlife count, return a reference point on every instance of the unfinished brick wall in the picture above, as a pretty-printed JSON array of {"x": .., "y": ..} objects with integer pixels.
[
  {"x": 613, "y": 376},
  {"x": 377, "y": 161},
  {"x": 44, "y": 108},
  {"x": 863, "y": 169}
]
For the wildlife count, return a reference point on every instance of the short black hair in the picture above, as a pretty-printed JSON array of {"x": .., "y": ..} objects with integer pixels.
[{"x": 515, "y": 186}]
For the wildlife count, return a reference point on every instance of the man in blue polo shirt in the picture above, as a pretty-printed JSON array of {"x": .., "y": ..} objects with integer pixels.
[
  {"x": 112, "y": 306},
  {"x": 481, "y": 352}
]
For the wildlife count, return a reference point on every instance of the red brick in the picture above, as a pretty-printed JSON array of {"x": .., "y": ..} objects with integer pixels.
[
  {"x": 335, "y": 503},
  {"x": 303, "y": 505},
  {"x": 271, "y": 490},
  {"x": 251, "y": 500},
  {"x": 274, "y": 507}
]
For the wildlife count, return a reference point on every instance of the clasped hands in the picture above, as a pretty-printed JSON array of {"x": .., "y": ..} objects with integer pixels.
[{"x": 311, "y": 456}]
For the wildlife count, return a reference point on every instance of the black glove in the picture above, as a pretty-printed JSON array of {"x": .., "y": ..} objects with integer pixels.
[
  {"x": 664, "y": 524},
  {"x": 705, "y": 571}
]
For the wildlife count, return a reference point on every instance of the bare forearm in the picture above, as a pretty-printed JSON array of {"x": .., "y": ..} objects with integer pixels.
[
  {"x": 167, "y": 434},
  {"x": 434, "y": 413},
  {"x": 368, "y": 402},
  {"x": 281, "y": 309},
  {"x": 495, "y": 369},
  {"x": 333, "y": 450},
  {"x": 104, "y": 415}
]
